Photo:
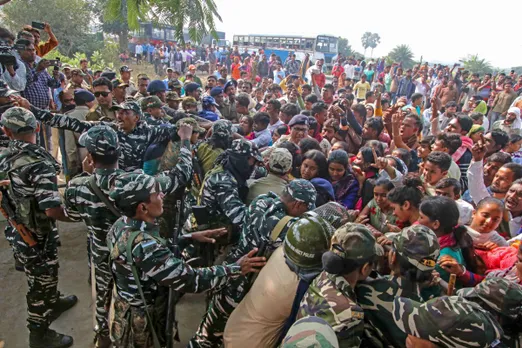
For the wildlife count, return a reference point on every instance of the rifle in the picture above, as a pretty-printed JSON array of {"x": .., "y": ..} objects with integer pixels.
[
  {"x": 8, "y": 211},
  {"x": 174, "y": 295}
]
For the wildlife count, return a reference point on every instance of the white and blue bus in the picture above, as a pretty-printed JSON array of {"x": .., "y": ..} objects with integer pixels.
[{"x": 322, "y": 46}]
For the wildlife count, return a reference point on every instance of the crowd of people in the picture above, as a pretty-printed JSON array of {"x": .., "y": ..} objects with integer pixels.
[{"x": 382, "y": 208}]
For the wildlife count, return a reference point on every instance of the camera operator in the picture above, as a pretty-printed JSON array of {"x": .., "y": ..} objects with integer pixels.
[{"x": 9, "y": 65}]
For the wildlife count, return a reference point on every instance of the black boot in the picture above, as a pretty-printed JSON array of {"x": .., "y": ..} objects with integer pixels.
[
  {"x": 63, "y": 304},
  {"x": 48, "y": 338},
  {"x": 19, "y": 266},
  {"x": 102, "y": 341}
]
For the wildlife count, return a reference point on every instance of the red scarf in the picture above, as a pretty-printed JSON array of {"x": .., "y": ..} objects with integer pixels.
[{"x": 447, "y": 241}]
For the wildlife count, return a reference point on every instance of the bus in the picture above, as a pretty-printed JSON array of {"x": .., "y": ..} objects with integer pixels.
[
  {"x": 149, "y": 33},
  {"x": 321, "y": 46}
]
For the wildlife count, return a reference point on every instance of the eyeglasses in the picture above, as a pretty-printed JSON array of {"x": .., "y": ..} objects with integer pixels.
[
  {"x": 300, "y": 129},
  {"x": 104, "y": 94}
]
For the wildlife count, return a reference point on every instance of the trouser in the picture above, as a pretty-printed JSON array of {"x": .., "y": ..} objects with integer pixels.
[
  {"x": 212, "y": 68},
  {"x": 138, "y": 58},
  {"x": 183, "y": 64},
  {"x": 55, "y": 137},
  {"x": 222, "y": 303},
  {"x": 45, "y": 137},
  {"x": 103, "y": 283},
  {"x": 177, "y": 65},
  {"x": 493, "y": 117},
  {"x": 41, "y": 273}
]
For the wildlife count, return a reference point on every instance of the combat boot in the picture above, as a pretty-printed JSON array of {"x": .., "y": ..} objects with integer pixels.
[
  {"x": 102, "y": 341},
  {"x": 63, "y": 304},
  {"x": 47, "y": 338}
]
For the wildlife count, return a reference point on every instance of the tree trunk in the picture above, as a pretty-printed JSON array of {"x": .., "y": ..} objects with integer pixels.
[{"x": 124, "y": 34}]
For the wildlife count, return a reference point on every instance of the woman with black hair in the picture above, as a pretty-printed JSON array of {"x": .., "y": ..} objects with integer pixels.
[
  {"x": 344, "y": 182},
  {"x": 441, "y": 214},
  {"x": 406, "y": 200},
  {"x": 366, "y": 174},
  {"x": 314, "y": 165}
]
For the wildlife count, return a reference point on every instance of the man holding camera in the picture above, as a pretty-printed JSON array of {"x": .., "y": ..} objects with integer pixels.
[{"x": 42, "y": 50}]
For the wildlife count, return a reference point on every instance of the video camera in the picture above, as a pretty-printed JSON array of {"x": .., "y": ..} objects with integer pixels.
[{"x": 6, "y": 53}]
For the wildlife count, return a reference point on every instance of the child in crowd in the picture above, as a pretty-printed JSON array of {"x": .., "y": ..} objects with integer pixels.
[
  {"x": 405, "y": 201},
  {"x": 278, "y": 132},
  {"x": 441, "y": 214},
  {"x": 366, "y": 174},
  {"x": 435, "y": 169},
  {"x": 379, "y": 213},
  {"x": 451, "y": 188},
  {"x": 404, "y": 155},
  {"x": 343, "y": 181},
  {"x": 486, "y": 219},
  {"x": 513, "y": 148},
  {"x": 424, "y": 149}
]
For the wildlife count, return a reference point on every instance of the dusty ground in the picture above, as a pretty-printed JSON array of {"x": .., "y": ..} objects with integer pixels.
[{"x": 76, "y": 322}]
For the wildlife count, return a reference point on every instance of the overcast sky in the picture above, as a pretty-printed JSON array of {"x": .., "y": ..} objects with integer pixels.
[{"x": 455, "y": 29}]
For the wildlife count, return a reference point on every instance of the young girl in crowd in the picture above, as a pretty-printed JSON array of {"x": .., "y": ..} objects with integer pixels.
[
  {"x": 405, "y": 201},
  {"x": 366, "y": 174},
  {"x": 278, "y": 132},
  {"x": 343, "y": 181},
  {"x": 314, "y": 165},
  {"x": 379, "y": 213},
  {"x": 424, "y": 149},
  {"x": 513, "y": 147},
  {"x": 486, "y": 219},
  {"x": 441, "y": 214}
]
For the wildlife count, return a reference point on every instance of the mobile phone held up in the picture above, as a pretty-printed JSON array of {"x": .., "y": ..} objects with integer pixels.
[{"x": 38, "y": 25}]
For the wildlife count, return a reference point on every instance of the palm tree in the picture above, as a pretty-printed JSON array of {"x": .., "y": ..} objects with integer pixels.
[
  {"x": 402, "y": 54},
  {"x": 476, "y": 65},
  {"x": 375, "y": 39},
  {"x": 366, "y": 40},
  {"x": 198, "y": 15}
]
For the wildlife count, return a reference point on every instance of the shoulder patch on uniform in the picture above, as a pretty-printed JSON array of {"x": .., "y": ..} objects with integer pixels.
[{"x": 149, "y": 246}]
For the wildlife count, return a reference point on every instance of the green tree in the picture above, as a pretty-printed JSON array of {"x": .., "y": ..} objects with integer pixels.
[
  {"x": 345, "y": 48},
  {"x": 476, "y": 65},
  {"x": 374, "y": 40},
  {"x": 366, "y": 40},
  {"x": 198, "y": 15},
  {"x": 402, "y": 54},
  {"x": 69, "y": 20}
]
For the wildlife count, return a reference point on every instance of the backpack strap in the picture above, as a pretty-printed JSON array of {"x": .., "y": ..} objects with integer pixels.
[
  {"x": 98, "y": 192},
  {"x": 140, "y": 290},
  {"x": 279, "y": 227}
]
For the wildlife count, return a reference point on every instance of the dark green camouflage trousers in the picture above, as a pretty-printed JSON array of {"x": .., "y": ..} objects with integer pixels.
[{"x": 42, "y": 275}]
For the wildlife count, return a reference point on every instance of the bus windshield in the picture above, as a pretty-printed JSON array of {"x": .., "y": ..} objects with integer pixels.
[{"x": 326, "y": 44}]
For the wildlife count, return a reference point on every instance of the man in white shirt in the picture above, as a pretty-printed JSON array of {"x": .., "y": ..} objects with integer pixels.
[
  {"x": 139, "y": 52},
  {"x": 349, "y": 69}
]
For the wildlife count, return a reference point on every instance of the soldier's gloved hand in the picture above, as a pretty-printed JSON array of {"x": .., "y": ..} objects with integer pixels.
[
  {"x": 185, "y": 131},
  {"x": 206, "y": 236},
  {"x": 249, "y": 263}
]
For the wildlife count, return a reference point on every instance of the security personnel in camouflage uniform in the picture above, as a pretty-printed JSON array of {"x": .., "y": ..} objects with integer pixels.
[
  {"x": 261, "y": 218},
  {"x": 34, "y": 193},
  {"x": 153, "y": 112},
  {"x": 502, "y": 299},
  {"x": 224, "y": 189},
  {"x": 137, "y": 252},
  {"x": 413, "y": 258},
  {"x": 310, "y": 332},
  {"x": 447, "y": 321},
  {"x": 134, "y": 135},
  {"x": 82, "y": 203},
  {"x": 331, "y": 295}
]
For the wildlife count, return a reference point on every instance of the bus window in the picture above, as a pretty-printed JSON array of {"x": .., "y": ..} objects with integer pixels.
[
  {"x": 235, "y": 40},
  {"x": 169, "y": 34},
  {"x": 282, "y": 42},
  {"x": 263, "y": 40},
  {"x": 157, "y": 34},
  {"x": 257, "y": 41}
]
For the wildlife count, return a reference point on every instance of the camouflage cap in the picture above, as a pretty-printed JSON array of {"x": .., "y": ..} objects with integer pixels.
[
  {"x": 419, "y": 245},
  {"x": 189, "y": 101},
  {"x": 310, "y": 332},
  {"x": 280, "y": 161},
  {"x": 116, "y": 83},
  {"x": 501, "y": 295},
  {"x": 301, "y": 190},
  {"x": 131, "y": 189},
  {"x": 222, "y": 129},
  {"x": 128, "y": 105},
  {"x": 174, "y": 83},
  {"x": 356, "y": 242},
  {"x": 446, "y": 321},
  {"x": 19, "y": 120},
  {"x": 151, "y": 102},
  {"x": 245, "y": 147},
  {"x": 171, "y": 95},
  {"x": 191, "y": 122},
  {"x": 100, "y": 140},
  {"x": 77, "y": 71}
]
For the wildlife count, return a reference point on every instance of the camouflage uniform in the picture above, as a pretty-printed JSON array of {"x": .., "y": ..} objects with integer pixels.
[
  {"x": 33, "y": 190},
  {"x": 155, "y": 263},
  {"x": 310, "y": 332},
  {"x": 82, "y": 203},
  {"x": 224, "y": 187},
  {"x": 133, "y": 145},
  {"x": 503, "y": 299},
  {"x": 446, "y": 322},
  {"x": 261, "y": 218},
  {"x": 419, "y": 246},
  {"x": 330, "y": 296},
  {"x": 153, "y": 102}
]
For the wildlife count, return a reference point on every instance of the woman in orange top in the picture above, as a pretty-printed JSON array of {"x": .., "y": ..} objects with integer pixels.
[{"x": 236, "y": 72}]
